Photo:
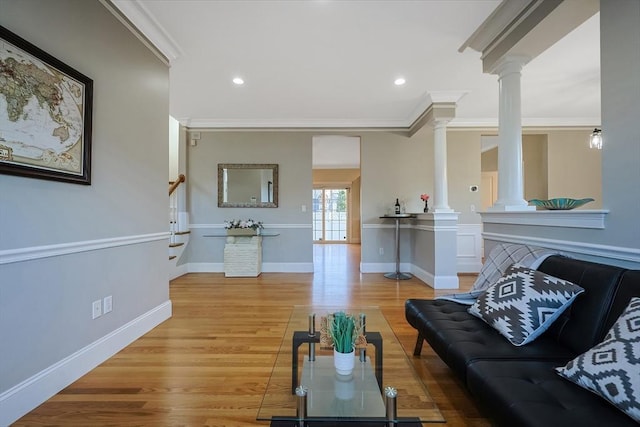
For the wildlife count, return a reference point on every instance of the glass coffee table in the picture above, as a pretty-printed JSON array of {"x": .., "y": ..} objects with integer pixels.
[{"x": 383, "y": 389}]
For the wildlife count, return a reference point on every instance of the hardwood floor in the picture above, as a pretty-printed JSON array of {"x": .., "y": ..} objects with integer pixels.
[{"x": 210, "y": 363}]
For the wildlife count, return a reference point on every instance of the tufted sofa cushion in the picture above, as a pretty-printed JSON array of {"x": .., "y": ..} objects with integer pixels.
[
  {"x": 532, "y": 393},
  {"x": 460, "y": 338}
]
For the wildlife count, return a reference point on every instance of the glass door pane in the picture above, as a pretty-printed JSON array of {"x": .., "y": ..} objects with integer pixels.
[{"x": 330, "y": 214}]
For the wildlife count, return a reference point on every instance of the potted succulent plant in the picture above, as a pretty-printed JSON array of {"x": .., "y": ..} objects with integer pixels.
[{"x": 344, "y": 333}]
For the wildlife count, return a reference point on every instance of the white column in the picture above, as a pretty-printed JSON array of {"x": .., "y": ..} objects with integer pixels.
[
  {"x": 441, "y": 190},
  {"x": 510, "y": 170}
]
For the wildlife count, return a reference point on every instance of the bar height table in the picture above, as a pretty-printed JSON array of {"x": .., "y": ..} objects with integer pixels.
[{"x": 397, "y": 275}]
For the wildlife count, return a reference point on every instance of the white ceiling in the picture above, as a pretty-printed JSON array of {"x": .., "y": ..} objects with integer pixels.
[{"x": 321, "y": 63}]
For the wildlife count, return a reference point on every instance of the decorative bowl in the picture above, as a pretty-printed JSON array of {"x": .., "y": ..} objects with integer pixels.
[{"x": 560, "y": 204}]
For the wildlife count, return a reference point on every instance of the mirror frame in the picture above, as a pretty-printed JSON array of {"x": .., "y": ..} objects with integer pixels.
[{"x": 274, "y": 169}]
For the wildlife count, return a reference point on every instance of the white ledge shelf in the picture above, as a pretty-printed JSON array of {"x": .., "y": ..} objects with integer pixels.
[{"x": 585, "y": 218}]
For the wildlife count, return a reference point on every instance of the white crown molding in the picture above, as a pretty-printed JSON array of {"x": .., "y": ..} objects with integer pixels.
[
  {"x": 445, "y": 96},
  {"x": 36, "y": 252},
  {"x": 496, "y": 26},
  {"x": 204, "y": 125},
  {"x": 148, "y": 25},
  {"x": 293, "y": 123},
  {"x": 540, "y": 123}
]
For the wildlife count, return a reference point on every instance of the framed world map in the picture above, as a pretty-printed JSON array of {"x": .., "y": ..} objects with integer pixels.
[{"x": 45, "y": 114}]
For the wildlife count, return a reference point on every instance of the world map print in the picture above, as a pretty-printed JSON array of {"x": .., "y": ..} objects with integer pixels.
[{"x": 41, "y": 113}]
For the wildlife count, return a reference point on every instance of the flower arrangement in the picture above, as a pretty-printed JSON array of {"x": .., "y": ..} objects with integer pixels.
[
  {"x": 425, "y": 199},
  {"x": 342, "y": 331},
  {"x": 243, "y": 223}
]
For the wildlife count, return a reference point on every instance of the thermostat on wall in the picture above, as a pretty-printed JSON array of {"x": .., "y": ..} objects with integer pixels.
[{"x": 473, "y": 188}]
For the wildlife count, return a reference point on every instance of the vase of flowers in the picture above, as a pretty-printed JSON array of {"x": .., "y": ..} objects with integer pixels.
[
  {"x": 425, "y": 199},
  {"x": 243, "y": 227}
]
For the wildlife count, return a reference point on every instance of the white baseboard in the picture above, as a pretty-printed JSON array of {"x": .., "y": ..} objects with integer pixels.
[
  {"x": 177, "y": 271},
  {"x": 287, "y": 267},
  {"x": 206, "y": 267},
  {"x": 267, "y": 267},
  {"x": 24, "y": 397},
  {"x": 436, "y": 282},
  {"x": 383, "y": 267}
]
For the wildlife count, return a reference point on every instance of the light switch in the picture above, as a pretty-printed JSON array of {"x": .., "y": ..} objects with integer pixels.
[{"x": 303, "y": 208}]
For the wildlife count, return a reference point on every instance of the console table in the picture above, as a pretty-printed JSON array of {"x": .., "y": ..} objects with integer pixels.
[
  {"x": 242, "y": 254},
  {"x": 397, "y": 275}
]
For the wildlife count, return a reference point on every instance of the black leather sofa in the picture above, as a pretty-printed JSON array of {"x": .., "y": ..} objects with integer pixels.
[{"x": 517, "y": 386}]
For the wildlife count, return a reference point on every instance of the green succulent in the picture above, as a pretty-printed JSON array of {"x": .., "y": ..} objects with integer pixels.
[{"x": 344, "y": 330}]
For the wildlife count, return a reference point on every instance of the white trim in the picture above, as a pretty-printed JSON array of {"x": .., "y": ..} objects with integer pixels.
[
  {"x": 550, "y": 122},
  {"x": 274, "y": 226},
  {"x": 436, "y": 227},
  {"x": 24, "y": 397},
  {"x": 287, "y": 267},
  {"x": 36, "y": 252},
  {"x": 148, "y": 25},
  {"x": 573, "y": 219},
  {"x": 469, "y": 248},
  {"x": 267, "y": 267},
  {"x": 178, "y": 270},
  {"x": 604, "y": 251},
  {"x": 205, "y": 267},
  {"x": 383, "y": 267},
  {"x": 399, "y": 125},
  {"x": 436, "y": 282},
  {"x": 280, "y": 124}
]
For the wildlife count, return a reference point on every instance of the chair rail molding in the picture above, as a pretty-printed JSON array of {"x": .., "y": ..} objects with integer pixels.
[
  {"x": 585, "y": 218},
  {"x": 9, "y": 256}
]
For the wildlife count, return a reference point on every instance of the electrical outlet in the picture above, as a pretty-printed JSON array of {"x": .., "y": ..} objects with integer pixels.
[
  {"x": 97, "y": 309},
  {"x": 472, "y": 208},
  {"x": 381, "y": 251},
  {"x": 107, "y": 304}
]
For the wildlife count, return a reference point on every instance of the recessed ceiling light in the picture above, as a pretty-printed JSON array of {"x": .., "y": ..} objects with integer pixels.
[
  {"x": 399, "y": 81},
  {"x": 238, "y": 81}
]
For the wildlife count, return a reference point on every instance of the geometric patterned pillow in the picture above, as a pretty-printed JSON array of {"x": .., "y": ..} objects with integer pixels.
[
  {"x": 611, "y": 369},
  {"x": 523, "y": 303}
]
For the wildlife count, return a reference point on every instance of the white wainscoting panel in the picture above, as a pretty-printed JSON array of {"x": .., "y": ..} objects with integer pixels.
[{"x": 469, "y": 252}]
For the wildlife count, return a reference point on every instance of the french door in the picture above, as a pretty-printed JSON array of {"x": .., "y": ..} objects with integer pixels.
[{"x": 330, "y": 214}]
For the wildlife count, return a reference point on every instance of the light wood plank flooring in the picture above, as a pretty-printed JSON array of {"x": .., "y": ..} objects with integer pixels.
[{"x": 210, "y": 363}]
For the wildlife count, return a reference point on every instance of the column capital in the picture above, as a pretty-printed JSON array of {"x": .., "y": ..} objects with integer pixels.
[
  {"x": 510, "y": 64},
  {"x": 440, "y": 122}
]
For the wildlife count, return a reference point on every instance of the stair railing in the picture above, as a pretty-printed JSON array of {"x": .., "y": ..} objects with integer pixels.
[{"x": 173, "y": 207}]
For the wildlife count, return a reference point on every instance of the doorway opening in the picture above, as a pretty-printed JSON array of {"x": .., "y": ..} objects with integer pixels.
[
  {"x": 336, "y": 189},
  {"x": 330, "y": 215}
]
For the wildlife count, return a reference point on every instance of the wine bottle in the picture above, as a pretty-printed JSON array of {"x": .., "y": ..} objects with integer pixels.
[{"x": 397, "y": 207}]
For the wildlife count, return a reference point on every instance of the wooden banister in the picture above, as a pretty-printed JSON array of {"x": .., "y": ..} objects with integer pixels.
[{"x": 173, "y": 185}]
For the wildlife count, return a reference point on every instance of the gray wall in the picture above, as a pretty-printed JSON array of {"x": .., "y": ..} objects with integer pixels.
[
  {"x": 292, "y": 152},
  {"x": 45, "y": 303},
  {"x": 620, "y": 62}
]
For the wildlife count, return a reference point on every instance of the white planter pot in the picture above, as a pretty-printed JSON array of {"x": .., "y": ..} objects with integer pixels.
[{"x": 344, "y": 362}]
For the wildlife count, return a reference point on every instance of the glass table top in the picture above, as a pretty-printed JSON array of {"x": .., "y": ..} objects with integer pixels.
[{"x": 353, "y": 398}]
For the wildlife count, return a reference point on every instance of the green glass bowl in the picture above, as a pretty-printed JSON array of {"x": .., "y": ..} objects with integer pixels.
[{"x": 560, "y": 204}]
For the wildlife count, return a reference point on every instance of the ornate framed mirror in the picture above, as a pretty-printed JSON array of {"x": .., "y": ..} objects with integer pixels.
[{"x": 247, "y": 185}]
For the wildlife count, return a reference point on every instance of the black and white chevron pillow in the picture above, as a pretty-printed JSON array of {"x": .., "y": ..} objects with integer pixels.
[
  {"x": 523, "y": 303},
  {"x": 611, "y": 369}
]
